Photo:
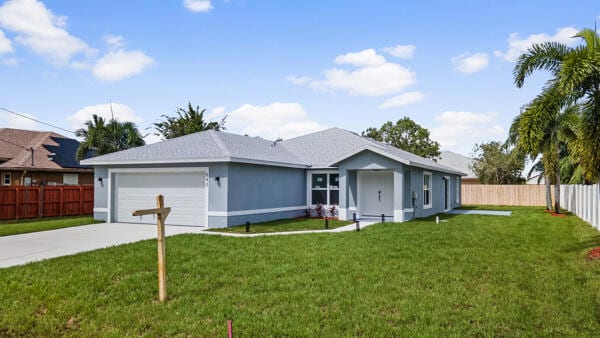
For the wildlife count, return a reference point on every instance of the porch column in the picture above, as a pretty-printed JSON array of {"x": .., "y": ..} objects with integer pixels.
[
  {"x": 398, "y": 195},
  {"x": 343, "y": 188}
]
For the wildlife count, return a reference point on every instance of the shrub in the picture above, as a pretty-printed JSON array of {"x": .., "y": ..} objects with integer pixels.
[
  {"x": 332, "y": 211},
  {"x": 320, "y": 210},
  {"x": 307, "y": 213}
]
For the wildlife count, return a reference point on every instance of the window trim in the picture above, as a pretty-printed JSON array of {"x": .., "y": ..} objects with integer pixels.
[
  {"x": 430, "y": 189},
  {"x": 328, "y": 187},
  {"x": 7, "y": 174}
]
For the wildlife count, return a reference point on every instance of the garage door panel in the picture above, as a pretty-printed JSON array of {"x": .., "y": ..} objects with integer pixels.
[{"x": 183, "y": 192}]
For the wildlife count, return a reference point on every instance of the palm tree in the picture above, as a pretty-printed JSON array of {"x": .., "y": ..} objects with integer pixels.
[
  {"x": 186, "y": 122},
  {"x": 103, "y": 138},
  {"x": 575, "y": 80}
]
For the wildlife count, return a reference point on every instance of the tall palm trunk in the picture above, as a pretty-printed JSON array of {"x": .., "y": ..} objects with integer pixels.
[
  {"x": 557, "y": 193},
  {"x": 548, "y": 193}
]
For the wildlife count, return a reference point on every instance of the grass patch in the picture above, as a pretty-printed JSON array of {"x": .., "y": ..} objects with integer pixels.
[
  {"x": 8, "y": 228},
  {"x": 475, "y": 275},
  {"x": 294, "y": 224}
]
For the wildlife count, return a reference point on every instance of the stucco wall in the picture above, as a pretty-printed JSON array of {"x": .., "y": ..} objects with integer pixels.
[
  {"x": 254, "y": 187},
  {"x": 437, "y": 192}
]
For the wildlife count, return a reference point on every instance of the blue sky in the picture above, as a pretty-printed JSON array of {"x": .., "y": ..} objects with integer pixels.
[{"x": 279, "y": 68}]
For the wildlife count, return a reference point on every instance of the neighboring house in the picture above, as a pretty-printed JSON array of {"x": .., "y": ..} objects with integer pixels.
[
  {"x": 33, "y": 158},
  {"x": 218, "y": 179},
  {"x": 460, "y": 163},
  {"x": 536, "y": 177}
]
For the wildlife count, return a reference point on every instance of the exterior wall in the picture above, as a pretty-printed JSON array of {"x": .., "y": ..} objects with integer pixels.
[
  {"x": 261, "y": 193},
  {"x": 217, "y": 190},
  {"x": 101, "y": 193},
  {"x": 367, "y": 160},
  {"x": 38, "y": 178},
  {"x": 437, "y": 192}
]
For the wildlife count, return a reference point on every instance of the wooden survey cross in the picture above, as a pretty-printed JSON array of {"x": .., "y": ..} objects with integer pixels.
[{"x": 162, "y": 213}]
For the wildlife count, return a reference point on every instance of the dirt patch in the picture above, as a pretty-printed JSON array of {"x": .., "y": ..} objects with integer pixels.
[
  {"x": 594, "y": 254},
  {"x": 558, "y": 215}
]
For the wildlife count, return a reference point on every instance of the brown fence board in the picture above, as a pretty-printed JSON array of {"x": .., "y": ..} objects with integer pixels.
[
  {"x": 513, "y": 195},
  {"x": 49, "y": 201}
]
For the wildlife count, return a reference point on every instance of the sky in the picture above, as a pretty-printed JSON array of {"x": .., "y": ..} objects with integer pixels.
[{"x": 279, "y": 68}]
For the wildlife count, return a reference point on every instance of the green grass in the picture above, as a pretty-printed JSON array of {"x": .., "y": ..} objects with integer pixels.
[
  {"x": 475, "y": 275},
  {"x": 295, "y": 224},
  {"x": 8, "y": 228}
]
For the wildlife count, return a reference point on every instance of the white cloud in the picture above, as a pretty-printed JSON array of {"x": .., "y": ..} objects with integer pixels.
[
  {"x": 119, "y": 65},
  {"x": 372, "y": 75},
  {"x": 216, "y": 113},
  {"x": 44, "y": 33},
  {"x": 518, "y": 45},
  {"x": 470, "y": 63},
  {"x": 5, "y": 44},
  {"x": 114, "y": 41},
  {"x": 401, "y": 51},
  {"x": 8, "y": 120},
  {"x": 277, "y": 119},
  {"x": 365, "y": 58},
  {"x": 402, "y": 100},
  {"x": 11, "y": 62},
  {"x": 198, "y": 5},
  {"x": 459, "y": 131},
  {"x": 298, "y": 80},
  {"x": 121, "y": 112}
]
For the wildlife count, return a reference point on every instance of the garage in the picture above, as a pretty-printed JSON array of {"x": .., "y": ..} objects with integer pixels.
[{"x": 185, "y": 192}]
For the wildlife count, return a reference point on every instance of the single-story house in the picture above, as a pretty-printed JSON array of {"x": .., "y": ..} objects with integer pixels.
[
  {"x": 217, "y": 179},
  {"x": 33, "y": 158}
]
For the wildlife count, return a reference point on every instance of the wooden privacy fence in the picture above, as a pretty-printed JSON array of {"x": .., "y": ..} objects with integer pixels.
[
  {"x": 48, "y": 201},
  {"x": 583, "y": 201},
  {"x": 515, "y": 195}
]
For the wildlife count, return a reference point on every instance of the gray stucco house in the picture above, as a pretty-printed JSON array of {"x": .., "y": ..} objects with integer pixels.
[{"x": 217, "y": 179}]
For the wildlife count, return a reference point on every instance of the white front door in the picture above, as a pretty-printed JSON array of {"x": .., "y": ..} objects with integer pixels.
[{"x": 376, "y": 195}]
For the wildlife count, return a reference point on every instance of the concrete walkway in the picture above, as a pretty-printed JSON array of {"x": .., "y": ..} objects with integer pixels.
[
  {"x": 479, "y": 212},
  {"x": 36, "y": 246}
]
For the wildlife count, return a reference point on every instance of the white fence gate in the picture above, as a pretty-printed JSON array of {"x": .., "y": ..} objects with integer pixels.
[{"x": 583, "y": 201}]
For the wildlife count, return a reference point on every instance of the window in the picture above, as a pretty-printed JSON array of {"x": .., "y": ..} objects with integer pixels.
[
  {"x": 70, "y": 179},
  {"x": 325, "y": 189},
  {"x": 457, "y": 189},
  {"x": 6, "y": 179},
  {"x": 427, "y": 178}
]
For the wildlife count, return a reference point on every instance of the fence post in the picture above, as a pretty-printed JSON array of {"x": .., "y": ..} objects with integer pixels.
[
  {"x": 17, "y": 203},
  {"x": 60, "y": 193},
  {"x": 80, "y": 200},
  {"x": 40, "y": 201},
  {"x": 595, "y": 206}
]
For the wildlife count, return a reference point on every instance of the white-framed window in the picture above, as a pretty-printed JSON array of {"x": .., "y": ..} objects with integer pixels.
[
  {"x": 6, "y": 179},
  {"x": 427, "y": 179},
  {"x": 324, "y": 188},
  {"x": 457, "y": 189},
  {"x": 70, "y": 179}
]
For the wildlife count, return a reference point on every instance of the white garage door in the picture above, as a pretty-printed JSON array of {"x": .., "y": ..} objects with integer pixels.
[{"x": 184, "y": 192}]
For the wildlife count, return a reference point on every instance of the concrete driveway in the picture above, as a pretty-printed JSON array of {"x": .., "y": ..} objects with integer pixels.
[{"x": 25, "y": 248}]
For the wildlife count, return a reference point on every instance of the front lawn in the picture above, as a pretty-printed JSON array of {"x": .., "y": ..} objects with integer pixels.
[
  {"x": 8, "y": 228},
  {"x": 475, "y": 275},
  {"x": 294, "y": 224}
]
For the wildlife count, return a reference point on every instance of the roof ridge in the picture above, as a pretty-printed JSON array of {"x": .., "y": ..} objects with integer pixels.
[{"x": 217, "y": 138}]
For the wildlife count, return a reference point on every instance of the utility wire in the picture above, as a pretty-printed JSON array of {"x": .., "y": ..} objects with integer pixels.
[{"x": 38, "y": 121}]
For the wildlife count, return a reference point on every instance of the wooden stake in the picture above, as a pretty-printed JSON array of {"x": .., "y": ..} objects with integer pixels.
[
  {"x": 162, "y": 214},
  {"x": 162, "y": 263}
]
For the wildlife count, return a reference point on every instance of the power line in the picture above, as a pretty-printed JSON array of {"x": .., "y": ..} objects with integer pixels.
[{"x": 38, "y": 121}]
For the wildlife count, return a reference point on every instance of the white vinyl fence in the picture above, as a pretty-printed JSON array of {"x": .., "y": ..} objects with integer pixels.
[{"x": 583, "y": 201}]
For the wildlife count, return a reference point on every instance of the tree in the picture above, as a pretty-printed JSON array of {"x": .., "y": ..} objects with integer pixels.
[
  {"x": 186, "y": 122},
  {"x": 103, "y": 138},
  {"x": 407, "y": 135},
  {"x": 575, "y": 79},
  {"x": 542, "y": 128},
  {"x": 495, "y": 163}
]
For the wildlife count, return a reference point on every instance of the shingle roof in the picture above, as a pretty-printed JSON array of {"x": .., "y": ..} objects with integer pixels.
[
  {"x": 16, "y": 144},
  {"x": 457, "y": 161},
  {"x": 206, "y": 146},
  {"x": 318, "y": 150}
]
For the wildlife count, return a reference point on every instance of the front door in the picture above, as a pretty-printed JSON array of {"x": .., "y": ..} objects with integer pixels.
[
  {"x": 446, "y": 194},
  {"x": 376, "y": 193}
]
